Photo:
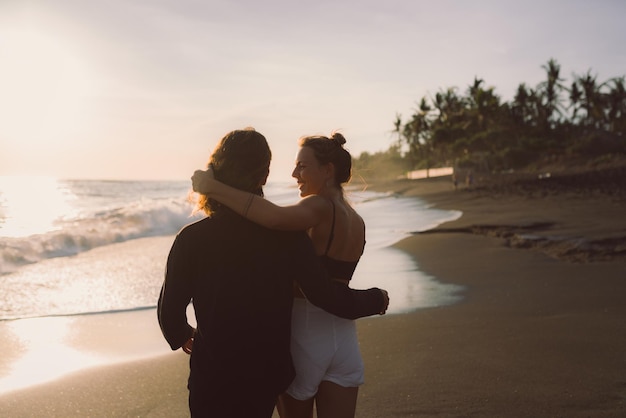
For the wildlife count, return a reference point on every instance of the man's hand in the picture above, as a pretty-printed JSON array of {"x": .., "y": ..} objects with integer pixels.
[{"x": 188, "y": 346}]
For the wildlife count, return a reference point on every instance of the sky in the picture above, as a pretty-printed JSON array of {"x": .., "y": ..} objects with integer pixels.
[{"x": 144, "y": 89}]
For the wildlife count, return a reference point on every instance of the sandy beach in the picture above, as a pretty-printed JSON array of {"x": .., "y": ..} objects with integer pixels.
[{"x": 540, "y": 332}]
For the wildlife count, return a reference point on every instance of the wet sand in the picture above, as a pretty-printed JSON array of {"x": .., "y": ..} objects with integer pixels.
[{"x": 541, "y": 331}]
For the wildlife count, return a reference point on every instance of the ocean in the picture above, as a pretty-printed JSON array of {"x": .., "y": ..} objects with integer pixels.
[
  {"x": 82, "y": 263},
  {"x": 71, "y": 247}
]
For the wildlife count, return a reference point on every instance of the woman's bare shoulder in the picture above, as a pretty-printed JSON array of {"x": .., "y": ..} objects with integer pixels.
[
  {"x": 355, "y": 217},
  {"x": 315, "y": 202}
]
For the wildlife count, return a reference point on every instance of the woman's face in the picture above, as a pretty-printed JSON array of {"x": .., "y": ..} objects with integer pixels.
[{"x": 311, "y": 176}]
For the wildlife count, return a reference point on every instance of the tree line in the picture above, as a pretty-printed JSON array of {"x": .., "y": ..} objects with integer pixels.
[{"x": 478, "y": 130}]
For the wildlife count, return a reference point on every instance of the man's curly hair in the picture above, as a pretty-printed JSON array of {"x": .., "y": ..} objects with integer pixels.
[{"x": 241, "y": 160}]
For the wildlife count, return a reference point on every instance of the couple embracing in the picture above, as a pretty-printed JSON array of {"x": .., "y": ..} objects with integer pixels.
[{"x": 269, "y": 286}]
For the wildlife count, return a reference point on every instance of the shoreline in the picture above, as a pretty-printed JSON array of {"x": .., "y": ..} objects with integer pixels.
[
  {"x": 45, "y": 349},
  {"x": 542, "y": 328},
  {"x": 536, "y": 334},
  {"x": 38, "y": 338}
]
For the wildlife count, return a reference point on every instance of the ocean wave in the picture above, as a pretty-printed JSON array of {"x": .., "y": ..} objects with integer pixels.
[
  {"x": 107, "y": 254},
  {"x": 73, "y": 236}
]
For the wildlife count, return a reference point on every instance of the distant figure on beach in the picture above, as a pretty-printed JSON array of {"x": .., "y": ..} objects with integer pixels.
[
  {"x": 329, "y": 367},
  {"x": 455, "y": 181},
  {"x": 240, "y": 278},
  {"x": 469, "y": 179}
]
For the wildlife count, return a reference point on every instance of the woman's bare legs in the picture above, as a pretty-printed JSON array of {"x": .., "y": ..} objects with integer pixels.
[
  {"x": 331, "y": 401},
  {"x": 334, "y": 401},
  {"x": 289, "y": 407}
]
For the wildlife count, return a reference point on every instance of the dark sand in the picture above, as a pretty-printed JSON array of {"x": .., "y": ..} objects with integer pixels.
[{"x": 541, "y": 331}]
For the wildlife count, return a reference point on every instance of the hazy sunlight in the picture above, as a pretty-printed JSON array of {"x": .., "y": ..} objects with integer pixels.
[
  {"x": 43, "y": 83},
  {"x": 31, "y": 205},
  {"x": 45, "y": 352}
]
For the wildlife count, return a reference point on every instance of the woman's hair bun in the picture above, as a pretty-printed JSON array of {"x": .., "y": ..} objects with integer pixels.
[{"x": 338, "y": 138}]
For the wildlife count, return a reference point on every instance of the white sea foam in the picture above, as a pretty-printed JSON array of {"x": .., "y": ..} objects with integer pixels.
[
  {"x": 97, "y": 213},
  {"x": 107, "y": 251}
]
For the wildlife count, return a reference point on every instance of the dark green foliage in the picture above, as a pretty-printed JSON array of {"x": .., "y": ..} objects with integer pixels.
[
  {"x": 381, "y": 165},
  {"x": 476, "y": 130}
]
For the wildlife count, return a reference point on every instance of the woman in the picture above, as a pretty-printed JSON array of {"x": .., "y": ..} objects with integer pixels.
[{"x": 329, "y": 368}]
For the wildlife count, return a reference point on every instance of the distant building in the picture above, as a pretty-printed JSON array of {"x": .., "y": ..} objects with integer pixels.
[{"x": 431, "y": 172}]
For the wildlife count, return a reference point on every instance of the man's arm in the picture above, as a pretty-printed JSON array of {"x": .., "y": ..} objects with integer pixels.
[
  {"x": 333, "y": 296},
  {"x": 175, "y": 297}
]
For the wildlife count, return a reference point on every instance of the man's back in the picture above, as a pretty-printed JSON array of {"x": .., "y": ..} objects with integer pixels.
[{"x": 240, "y": 277}]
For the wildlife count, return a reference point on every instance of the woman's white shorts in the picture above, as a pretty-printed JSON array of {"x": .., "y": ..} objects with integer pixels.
[{"x": 323, "y": 347}]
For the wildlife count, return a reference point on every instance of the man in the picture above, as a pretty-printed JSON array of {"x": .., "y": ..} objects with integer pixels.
[{"x": 240, "y": 279}]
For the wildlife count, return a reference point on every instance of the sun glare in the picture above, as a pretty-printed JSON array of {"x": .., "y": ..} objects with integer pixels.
[
  {"x": 44, "y": 352},
  {"x": 31, "y": 205},
  {"x": 43, "y": 84}
]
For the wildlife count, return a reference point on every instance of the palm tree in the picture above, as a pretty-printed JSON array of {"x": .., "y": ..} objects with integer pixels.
[
  {"x": 474, "y": 90},
  {"x": 616, "y": 106},
  {"x": 526, "y": 107},
  {"x": 550, "y": 91},
  {"x": 484, "y": 105},
  {"x": 424, "y": 108},
  {"x": 519, "y": 107},
  {"x": 575, "y": 97},
  {"x": 591, "y": 100},
  {"x": 475, "y": 101},
  {"x": 536, "y": 120},
  {"x": 397, "y": 128},
  {"x": 448, "y": 104}
]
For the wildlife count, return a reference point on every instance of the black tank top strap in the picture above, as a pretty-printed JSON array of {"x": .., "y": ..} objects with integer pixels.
[
  {"x": 336, "y": 269},
  {"x": 331, "y": 236}
]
